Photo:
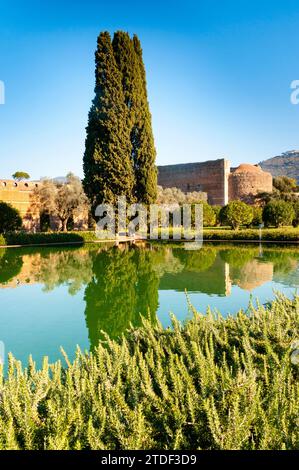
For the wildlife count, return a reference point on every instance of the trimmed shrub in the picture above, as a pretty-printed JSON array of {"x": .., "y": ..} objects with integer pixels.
[
  {"x": 252, "y": 234},
  {"x": 278, "y": 213},
  {"x": 10, "y": 218},
  {"x": 23, "y": 238},
  {"x": 237, "y": 213},
  {"x": 209, "y": 216}
]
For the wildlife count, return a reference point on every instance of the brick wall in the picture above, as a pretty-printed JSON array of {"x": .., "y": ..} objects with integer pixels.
[{"x": 210, "y": 177}]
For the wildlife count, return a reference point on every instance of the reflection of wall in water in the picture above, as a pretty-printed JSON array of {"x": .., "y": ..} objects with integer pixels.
[
  {"x": 219, "y": 278},
  {"x": 253, "y": 274}
]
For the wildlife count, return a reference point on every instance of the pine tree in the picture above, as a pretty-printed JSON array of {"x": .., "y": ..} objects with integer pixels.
[
  {"x": 108, "y": 171},
  {"x": 128, "y": 55}
]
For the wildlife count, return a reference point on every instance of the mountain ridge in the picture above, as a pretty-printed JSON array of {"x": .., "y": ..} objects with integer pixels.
[{"x": 286, "y": 164}]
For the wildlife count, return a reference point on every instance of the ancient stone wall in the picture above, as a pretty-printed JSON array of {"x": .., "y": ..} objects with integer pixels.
[
  {"x": 210, "y": 177},
  {"x": 247, "y": 181},
  {"x": 217, "y": 179},
  {"x": 19, "y": 195}
]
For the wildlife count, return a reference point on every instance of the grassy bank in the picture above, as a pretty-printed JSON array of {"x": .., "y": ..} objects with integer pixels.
[
  {"x": 287, "y": 234},
  {"x": 213, "y": 384}
]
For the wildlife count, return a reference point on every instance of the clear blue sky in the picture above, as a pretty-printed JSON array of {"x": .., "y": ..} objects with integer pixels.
[{"x": 218, "y": 72}]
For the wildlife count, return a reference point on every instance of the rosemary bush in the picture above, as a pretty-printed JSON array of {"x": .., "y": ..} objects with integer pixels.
[{"x": 213, "y": 383}]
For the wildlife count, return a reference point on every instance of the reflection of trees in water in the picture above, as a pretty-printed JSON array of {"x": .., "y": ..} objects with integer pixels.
[
  {"x": 285, "y": 265},
  {"x": 239, "y": 256},
  {"x": 51, "y": 267},
  {"x": 249, "y": 271},
  {"x": 124, "y": 285},
  {"x": 72, "y": 267},
  {"x": 10, "y": 264},
  {"x": 198, "y": 260}
]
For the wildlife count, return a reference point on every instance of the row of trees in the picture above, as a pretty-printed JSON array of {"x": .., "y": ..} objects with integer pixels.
[
  {"x": 276, "y": 213},
  {"x": 119, "y": 158}
]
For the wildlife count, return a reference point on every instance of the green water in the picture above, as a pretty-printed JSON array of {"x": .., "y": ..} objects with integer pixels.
[{"x": 52, "y": 297}]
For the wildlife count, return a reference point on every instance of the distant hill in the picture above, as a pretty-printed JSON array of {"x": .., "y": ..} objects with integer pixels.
[{"x": 286, "y": 164}]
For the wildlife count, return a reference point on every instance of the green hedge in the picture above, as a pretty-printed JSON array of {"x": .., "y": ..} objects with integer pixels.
[
  {"x": 289, "y": 234},
  {"x": 216, "y": 383},
  {"x": 271, "y": 234},
  {"x": 23, "y": 238}
]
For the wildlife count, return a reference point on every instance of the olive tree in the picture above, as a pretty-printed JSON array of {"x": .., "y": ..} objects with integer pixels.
[{"x": 62, "y": 200}]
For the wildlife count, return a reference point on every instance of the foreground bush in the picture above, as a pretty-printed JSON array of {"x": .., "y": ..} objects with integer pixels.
[
  {"x": 10, "y": 218},
  {"x": 214, "y": 384}
]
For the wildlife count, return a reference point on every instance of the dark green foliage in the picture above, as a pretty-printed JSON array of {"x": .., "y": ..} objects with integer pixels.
[
  {"x": 23, "y": 238},
  {"x": 10, "y": 265},
  {"x": 10, "y": 218},
  {"x": 128, "y": 55},
  {"x": 108, "y": 171},
  {"x": 296, "y": 217},
  {"x": 217, "y": 210},
  {"x": 278, "y": 213},
  {"x": 120, "y": 155},
  {"x": 215, "y": 383},
  {"x": 128, "y": 289}
]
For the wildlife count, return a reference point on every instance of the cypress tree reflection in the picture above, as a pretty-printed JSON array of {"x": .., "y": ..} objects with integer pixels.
[{"x": 124, "y": 286}]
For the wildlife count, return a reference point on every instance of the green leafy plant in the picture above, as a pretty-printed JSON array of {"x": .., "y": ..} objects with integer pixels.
[
  {"x": 237, "y": 213},
  {"x": 21, "y": 175},
  {"x": 257, "y": 216},
  {"x": 278, "y": 213},
  {"x": 214, "y": 383}
]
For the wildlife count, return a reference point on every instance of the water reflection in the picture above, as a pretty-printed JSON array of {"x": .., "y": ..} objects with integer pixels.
[{"x": 119, "y": 284}]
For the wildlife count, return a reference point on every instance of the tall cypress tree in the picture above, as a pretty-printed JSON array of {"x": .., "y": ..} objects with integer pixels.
[
  {"x": 128, "y": 55},
  {"x": 108, "y": 171}
]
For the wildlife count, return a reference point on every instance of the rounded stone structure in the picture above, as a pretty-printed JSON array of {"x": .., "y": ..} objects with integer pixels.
[{"x": 247, "y": 181}]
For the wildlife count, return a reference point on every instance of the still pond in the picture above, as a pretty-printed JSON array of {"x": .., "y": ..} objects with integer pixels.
[{"x": 52, "y": 297}]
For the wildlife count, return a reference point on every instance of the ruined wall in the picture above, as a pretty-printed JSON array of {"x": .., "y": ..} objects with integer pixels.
[
  {"x": 19, "y": 195},
  {"x": 246, "y": 181},
  {"x": 217, "y": 179},
  {"x": 210, "y": 177}
]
